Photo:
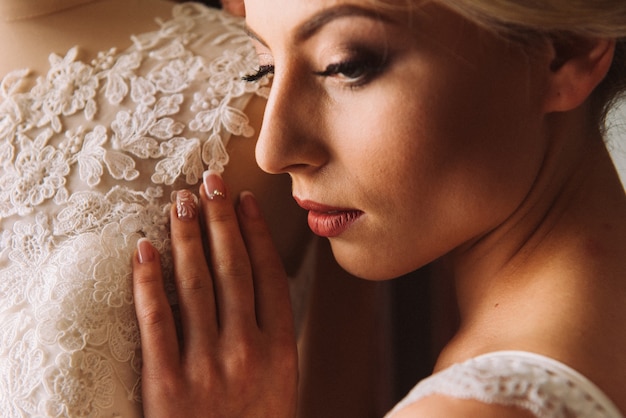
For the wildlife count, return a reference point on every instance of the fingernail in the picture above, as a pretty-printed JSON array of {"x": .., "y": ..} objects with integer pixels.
[
  {"x": 145, "y": 250},
  {"x": 214, "y": 185},
  {"x": 249, "y": 205},
  {"x": 186, "y": 205}
]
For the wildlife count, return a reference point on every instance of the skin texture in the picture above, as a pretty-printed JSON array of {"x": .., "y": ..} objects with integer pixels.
[
  {"x": 455, "y": 146},
  {"x": 464, "y": 132},
  {"x": 237, "y": 328}
]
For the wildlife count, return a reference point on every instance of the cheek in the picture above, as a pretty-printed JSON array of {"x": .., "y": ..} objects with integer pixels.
[
  {"x": 484, "y": 129},
  {"x": 446, "y": 168},
  {"x": 438, "y": 164}
]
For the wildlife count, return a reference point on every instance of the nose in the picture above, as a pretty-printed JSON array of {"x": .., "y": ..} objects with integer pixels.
[{"x": 290, "y": 136}]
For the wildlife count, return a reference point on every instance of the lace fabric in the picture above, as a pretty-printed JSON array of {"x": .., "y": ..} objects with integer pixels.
[
  {"x": 541, "y": 385},
  {"x": 89, "y": 153}
]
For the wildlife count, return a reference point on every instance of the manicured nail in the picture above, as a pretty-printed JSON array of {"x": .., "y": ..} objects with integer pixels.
[
  {"x": 249, "y": 205},
  {"x": 214, "y": 185},
  {"x": 186, "y": 205},
  {"x": 145, "y": 250}
]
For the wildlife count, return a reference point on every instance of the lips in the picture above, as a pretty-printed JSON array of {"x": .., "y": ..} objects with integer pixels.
[{"x": 328, "y": 221}]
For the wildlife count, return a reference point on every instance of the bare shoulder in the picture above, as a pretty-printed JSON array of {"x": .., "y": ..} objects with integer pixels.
[{"x": 439, "y": 406}]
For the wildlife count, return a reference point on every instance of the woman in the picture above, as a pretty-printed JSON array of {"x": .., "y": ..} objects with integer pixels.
[{"x": 467, "y": 134}]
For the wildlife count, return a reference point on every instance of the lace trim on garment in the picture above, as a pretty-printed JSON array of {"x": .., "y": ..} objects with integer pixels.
[
  {"x": 69, "y": 343},
  {"x": 538, "y": 384}
]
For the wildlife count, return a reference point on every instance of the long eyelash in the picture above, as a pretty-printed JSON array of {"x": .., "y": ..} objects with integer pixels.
[
  {"x": 370, "y": 66},
  {"x": 260, "y": 73},
  {"x": 332, "y": 69}
]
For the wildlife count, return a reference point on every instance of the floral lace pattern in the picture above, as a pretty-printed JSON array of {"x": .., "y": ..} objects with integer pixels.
[
  {"x": 145, "y": 120},
  {"x": 543, "y": 386}
]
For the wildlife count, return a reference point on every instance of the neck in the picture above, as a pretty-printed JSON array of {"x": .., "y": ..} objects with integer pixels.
[
  {"x": 16, "y": 10},
  {"x": 575, "y": 195}
]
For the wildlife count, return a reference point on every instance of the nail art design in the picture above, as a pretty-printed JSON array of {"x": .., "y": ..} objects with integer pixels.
[
  {"x": 216, "y": 193},
  {"x": 186, "y": 205},
  {"x": 214, "y": 185}
]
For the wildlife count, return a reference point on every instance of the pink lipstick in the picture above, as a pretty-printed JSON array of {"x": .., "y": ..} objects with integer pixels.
[{"x": 328, "y": 221}]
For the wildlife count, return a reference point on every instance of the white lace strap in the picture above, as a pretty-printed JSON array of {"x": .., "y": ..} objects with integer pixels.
[{"x": 541, "y": 385}]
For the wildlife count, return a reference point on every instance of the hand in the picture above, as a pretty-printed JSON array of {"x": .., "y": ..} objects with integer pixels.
[
  {"x": 238, "y": 357},
  {"x": 235, "y": 7}
]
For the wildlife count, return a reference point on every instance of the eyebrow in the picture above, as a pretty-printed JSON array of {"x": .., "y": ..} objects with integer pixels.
[{"x": 311, "y": 26}]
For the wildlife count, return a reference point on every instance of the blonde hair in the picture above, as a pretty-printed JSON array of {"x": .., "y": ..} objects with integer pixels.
[
  {"x": 582, "y": 18},
  {"x": 594, "y": 18},
  {"x": 522, "y": 19}
]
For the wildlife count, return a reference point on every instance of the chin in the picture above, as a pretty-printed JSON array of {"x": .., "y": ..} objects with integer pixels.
[
  {"x": 374, "y": 267},
  {"x": 378, "y": 264}
]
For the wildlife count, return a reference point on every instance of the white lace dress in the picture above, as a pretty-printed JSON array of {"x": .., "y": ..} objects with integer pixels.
[
  {"x": 545, "y": 387},
  {"x": 89, "y": 154}
]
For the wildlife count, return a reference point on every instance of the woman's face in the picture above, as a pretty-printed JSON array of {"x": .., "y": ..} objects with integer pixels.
[{"x": 407, "y": 135}]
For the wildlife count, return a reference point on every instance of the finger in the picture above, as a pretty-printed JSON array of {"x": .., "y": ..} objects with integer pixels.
[
  {"x": 154, "y": 315},
  {"x": 232, "y": 274},
  {"x": 273, "y": 305},
  {"x": 193, "y": 280},
  {"x": 235, "y": 7}
]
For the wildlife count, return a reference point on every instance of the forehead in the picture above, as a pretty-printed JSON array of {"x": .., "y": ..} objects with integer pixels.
[
  {"x": 301, "y": 19},
  {"x": 284, "y": 26}
]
